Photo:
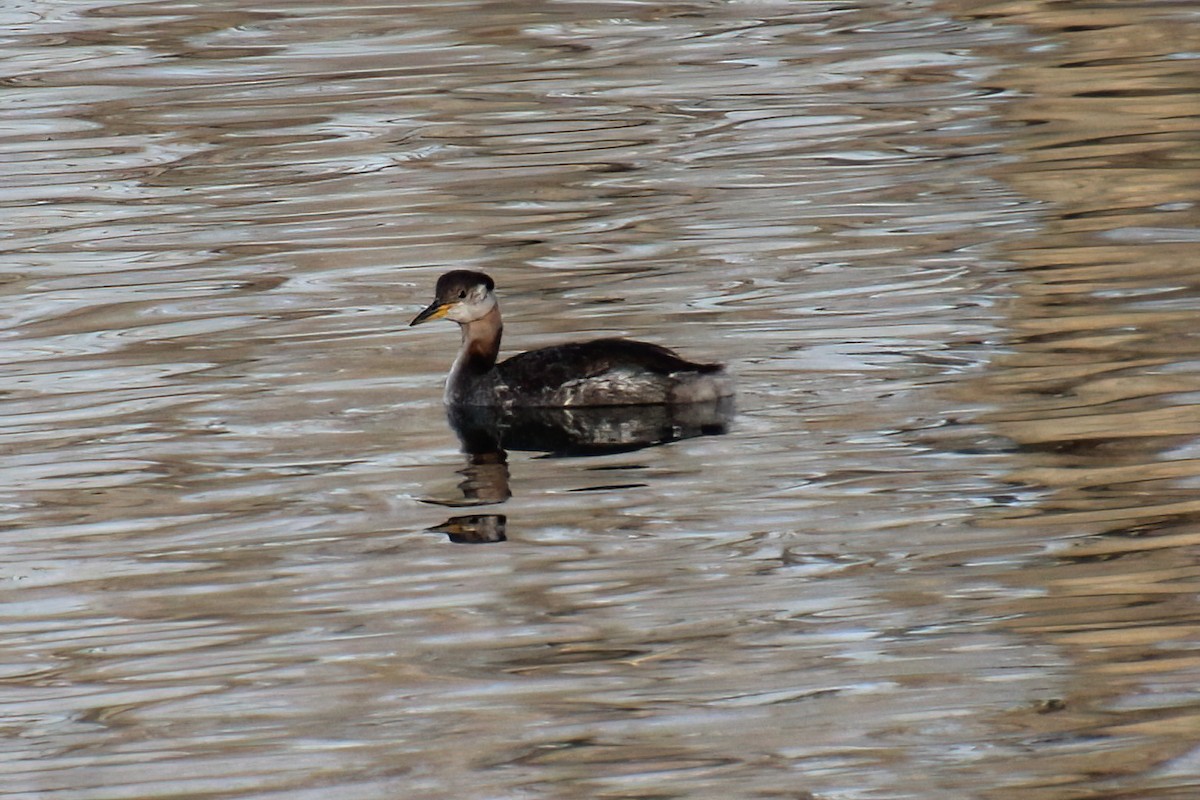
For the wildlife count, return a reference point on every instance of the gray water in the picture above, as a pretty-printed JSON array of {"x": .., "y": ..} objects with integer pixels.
[{"x": 946, "y": 547}]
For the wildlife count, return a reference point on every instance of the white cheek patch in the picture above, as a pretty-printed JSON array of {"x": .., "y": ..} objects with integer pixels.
[{"x": 476, "y": 306}]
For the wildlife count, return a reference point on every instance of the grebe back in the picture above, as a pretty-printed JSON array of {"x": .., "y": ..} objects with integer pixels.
[{"x": 600, "y": 372}]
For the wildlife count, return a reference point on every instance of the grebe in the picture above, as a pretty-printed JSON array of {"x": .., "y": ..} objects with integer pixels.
[{"x": 601, "y": 372}]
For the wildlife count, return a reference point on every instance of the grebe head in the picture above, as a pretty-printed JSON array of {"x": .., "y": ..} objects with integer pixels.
[{"x": 461, "y": 295}]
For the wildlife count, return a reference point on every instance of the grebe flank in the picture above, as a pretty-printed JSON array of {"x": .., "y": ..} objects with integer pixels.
[{"x": 600, "y": 372}]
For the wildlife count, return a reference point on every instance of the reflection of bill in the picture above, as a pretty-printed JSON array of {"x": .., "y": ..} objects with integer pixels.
[{"x": 474, "y": 528}]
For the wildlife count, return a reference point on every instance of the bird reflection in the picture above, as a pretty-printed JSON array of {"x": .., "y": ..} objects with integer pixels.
[
  {"x": 587, "y": 431},
  {"x": 487, "y": 433},
  {"x": 474, "y": 528},
  {"x": 485, "y": 480}
]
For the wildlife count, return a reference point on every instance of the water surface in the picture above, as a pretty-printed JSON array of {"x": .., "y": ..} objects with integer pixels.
[{"x": 943, "y": 550}]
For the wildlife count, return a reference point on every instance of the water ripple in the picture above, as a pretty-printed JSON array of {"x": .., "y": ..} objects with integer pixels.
[{"x": 943, "y": 248}]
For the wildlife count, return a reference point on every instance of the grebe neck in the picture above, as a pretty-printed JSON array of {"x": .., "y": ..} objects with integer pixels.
[
  {"x": 481, "y": 342},
  {"x": 477, "y": 356}
]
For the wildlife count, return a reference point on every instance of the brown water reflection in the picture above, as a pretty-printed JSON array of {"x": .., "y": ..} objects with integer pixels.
[
  {"x": 1098, "y": 394},
  {"x": 941, "y": 551}
]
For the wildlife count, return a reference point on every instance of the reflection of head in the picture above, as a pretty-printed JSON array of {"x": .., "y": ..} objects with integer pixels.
[{"x": 475, "y": 529}]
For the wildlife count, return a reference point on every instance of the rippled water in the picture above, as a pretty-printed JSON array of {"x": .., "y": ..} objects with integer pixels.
[{"x": 943, "y": 549}]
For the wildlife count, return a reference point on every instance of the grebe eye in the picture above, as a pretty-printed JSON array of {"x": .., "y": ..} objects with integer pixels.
[{"x": 462, "y": 294}]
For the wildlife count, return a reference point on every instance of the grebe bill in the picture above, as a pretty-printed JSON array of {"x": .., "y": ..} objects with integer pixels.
[{"x": 600, "y": 372}]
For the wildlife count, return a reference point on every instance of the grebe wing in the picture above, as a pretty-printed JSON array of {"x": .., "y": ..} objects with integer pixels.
[{"x": 556, "y": 365}]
